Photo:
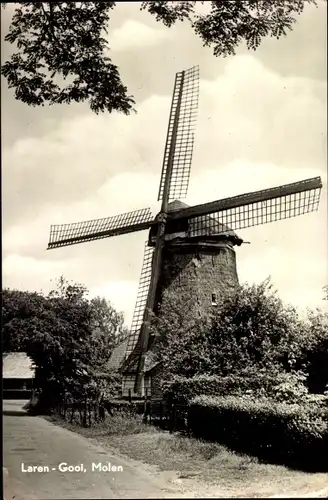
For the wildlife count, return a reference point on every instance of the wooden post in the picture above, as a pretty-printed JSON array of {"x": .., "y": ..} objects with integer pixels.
[
  {"x": 65, "y": 406},
  {"x": 73, "y": 411},
  {"x": 85, "y": 412},
  {"x": 89, "y": 414},
  {"x": 173, "y": 419},
  {"x": 80, "y": 412},
  {"x": 147, "y": 410},
  {"x": 130, "y": 396}
]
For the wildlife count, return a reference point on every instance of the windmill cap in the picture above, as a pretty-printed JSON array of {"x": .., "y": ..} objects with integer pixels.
[
  {"x": 205, "y": 226},
  {"x": 176, "y": 205}
]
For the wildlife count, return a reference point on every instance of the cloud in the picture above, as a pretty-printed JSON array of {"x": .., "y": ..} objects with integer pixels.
[
  {"x": 243, "y": 176},
  {"x": 81, "y": 156},
  {"x": 256, "y": 129},
  {"x": 260, "y": 116},
  {"x": 134, "y": 35},
  {"x": 28, "y": 273},
  {"x": 299, "y": 283},
  {"x": 254, "y": 116}
]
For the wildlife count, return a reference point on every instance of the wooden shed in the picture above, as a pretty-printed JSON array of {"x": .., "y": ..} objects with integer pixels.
[{"x": 17, "y": 375}]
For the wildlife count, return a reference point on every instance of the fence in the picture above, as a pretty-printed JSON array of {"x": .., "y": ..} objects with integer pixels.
[
  {"x": 83, "y": 411},
  {"x": 170, "y": 416},
  {"x": 161, "y": 413}
]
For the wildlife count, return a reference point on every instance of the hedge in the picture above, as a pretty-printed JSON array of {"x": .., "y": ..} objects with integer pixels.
[
  {"x": 279, "y": 432},
  {"x": 280, "y": 386}
]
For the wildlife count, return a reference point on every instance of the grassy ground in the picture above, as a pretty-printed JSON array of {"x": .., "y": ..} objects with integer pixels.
[{"x": 208, "y": 469}]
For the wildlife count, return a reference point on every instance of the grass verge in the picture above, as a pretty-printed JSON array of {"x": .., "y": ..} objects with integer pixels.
[{"x": 195, "y": 461}]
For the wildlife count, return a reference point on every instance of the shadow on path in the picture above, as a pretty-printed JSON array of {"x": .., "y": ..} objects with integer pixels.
[{"x": 15, "y": 413}]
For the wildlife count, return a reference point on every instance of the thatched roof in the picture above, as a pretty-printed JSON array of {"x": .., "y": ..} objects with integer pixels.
[{"x": 17, "y": 365}]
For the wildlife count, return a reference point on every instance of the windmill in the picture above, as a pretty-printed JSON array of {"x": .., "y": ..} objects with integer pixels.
[{"x": 208, "y": 225}]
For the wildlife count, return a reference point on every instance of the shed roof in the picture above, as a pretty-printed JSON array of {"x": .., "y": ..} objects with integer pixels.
[
  {"x": 117, "y": 356},
  {"x": 17, "y": 365}
]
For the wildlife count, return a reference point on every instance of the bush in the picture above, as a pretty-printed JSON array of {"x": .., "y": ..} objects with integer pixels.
[
  {"x": 124, "y": 424},
  {"x": 289, "y": 387},
  {"x": 285, "y": 433}
]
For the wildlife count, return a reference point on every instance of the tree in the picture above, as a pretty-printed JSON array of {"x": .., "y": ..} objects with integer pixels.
[
  {"x": 62, "y": 336},
  {"x": 180, "y": 337},
  {"x": 106, "y": 321},
  {"x": 254, "y": 328},
  {"x": 60, "y": 42},
  {"x": 18, "y": 309},
  {"x": 315, "y": 351},
  {"x": 251, "y": 330}
]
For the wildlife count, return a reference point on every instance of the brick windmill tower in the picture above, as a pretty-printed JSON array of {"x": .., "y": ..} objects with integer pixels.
[{"x": 190, "y": 249}]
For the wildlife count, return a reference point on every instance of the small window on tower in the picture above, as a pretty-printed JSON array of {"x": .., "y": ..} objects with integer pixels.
[{"x": 214, "y": 301}]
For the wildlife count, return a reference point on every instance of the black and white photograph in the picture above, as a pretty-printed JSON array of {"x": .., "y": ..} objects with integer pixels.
[{"x": 164, "y": 249}]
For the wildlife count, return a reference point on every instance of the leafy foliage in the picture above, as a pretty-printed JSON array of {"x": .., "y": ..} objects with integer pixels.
[
  {"x": 251, "y": 342},
  {"x": 255, "y": 328},
  {"x": 64, "y": 39},
  {"x": 18, "y": 309},
  {"x": 249, "y": 21},
  {"x": 283, "y": 387},
  {"x": 252, "y": 328},
  {"x": 315, "y": 351},
  {"x": 180, "y": 337},
  {"x": 60, "y": 41},
  {"x": 106, "y": 322}
]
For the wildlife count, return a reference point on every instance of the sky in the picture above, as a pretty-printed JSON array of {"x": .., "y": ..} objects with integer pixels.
[{"x": 261, "y": 123}]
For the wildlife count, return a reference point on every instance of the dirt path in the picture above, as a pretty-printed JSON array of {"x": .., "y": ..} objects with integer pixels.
[{"x": 32, "y": 441}]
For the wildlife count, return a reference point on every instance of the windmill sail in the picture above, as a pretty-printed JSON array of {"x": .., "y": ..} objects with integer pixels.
[
  {"x": 261, "y": 212},
  {"x": 79, "y": 232},
  {"x": 143, "y": 289},
  {"x": 186, "y": 91},
  {"x": 252, "y": 209},
  {"x": 174, "y": 183}
]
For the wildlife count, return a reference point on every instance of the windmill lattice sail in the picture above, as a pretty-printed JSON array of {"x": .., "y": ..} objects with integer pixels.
[
  {"x": 79, "y": 232},
  {"x": 186, "y": 83},
  {"x": 141, "y": 299},
  {"x": 259, "y": 212}
]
